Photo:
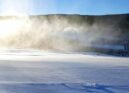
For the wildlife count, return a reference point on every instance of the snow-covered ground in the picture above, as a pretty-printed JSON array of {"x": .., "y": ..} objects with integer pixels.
[{"x": 31, "y": 71}]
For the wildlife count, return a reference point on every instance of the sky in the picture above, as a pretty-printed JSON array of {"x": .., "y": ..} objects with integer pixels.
[{"x": 84, "y": 7}]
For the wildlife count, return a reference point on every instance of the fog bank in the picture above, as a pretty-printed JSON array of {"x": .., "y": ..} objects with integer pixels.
[{"x": 63, "y": 32}]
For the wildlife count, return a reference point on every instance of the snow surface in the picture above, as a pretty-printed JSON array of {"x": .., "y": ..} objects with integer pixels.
[{"x": 31, "y": 71}]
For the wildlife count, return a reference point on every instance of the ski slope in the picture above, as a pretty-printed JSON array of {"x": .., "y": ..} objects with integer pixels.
[{"x": 24, "y": 71}]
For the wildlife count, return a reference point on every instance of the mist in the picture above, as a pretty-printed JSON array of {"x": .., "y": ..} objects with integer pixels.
[{"x": 62, "y": 32}]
